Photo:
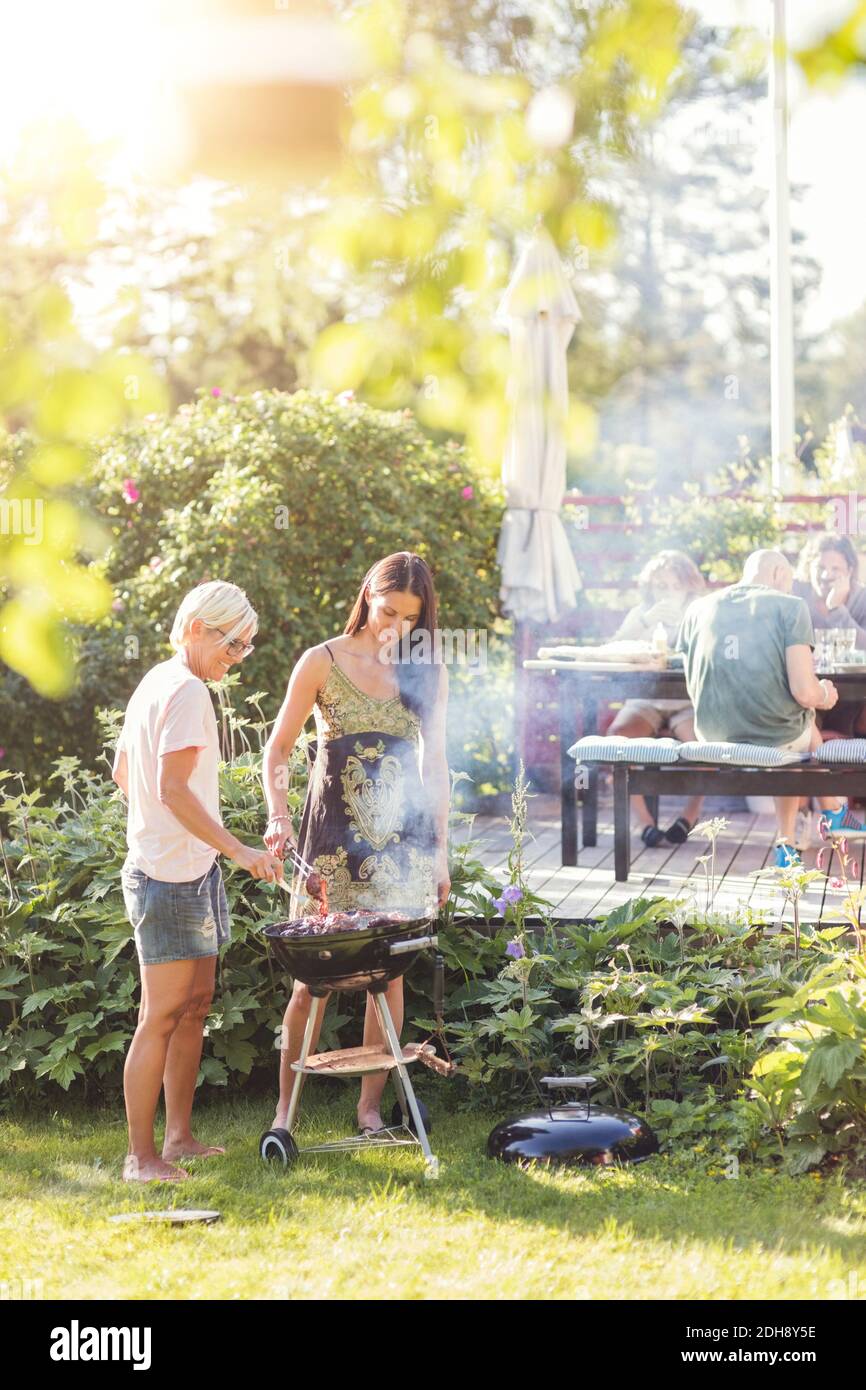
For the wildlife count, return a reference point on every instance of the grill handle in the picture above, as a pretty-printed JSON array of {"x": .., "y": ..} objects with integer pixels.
[
  {"x": 577, "y": 1083},
  {"x": 418, "y": 943}
]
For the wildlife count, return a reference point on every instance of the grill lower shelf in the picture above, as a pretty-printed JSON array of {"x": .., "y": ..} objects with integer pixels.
[{"x": 355, "y": 1061}]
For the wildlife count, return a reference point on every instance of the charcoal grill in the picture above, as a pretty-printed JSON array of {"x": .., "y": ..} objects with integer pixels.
[{"x": 364, "y": 957}]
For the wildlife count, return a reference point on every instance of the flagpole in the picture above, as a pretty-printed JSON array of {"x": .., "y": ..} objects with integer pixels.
[{"x": 781, "y": 291}]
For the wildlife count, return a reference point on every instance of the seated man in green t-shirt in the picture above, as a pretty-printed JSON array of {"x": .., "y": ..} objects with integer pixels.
[{"x": 751, "y": 679}]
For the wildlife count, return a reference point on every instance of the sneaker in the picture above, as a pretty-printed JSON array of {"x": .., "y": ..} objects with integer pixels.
[
  {"x": 652, "y": 836},
  {"x": 787, "y": 856},
  {"x": 679, "y": 832},
  {"x": 803, "y": 830},
  {"x": 842, "y": 822}
]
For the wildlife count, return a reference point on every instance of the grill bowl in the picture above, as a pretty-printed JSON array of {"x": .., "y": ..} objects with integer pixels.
[{"x": 359, "y": 958}]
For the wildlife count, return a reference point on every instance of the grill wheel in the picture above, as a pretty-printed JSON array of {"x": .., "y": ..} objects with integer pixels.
[
  {"x": 278, "y": 1146},
  {"x": 397, "y": 1117}
]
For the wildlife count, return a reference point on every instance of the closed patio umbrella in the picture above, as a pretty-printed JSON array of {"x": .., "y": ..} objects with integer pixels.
[{"x": 539, "y": 576}]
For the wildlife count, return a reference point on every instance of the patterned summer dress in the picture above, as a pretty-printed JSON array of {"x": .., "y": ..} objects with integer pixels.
[{"x": 366, "y": 825}]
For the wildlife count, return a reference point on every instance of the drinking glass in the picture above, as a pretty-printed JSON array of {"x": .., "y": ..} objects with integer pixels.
[
  {"x": 834, "y": 646},
  {"x": 848, "y": 637},
  {"x": 823, "y": 651}
]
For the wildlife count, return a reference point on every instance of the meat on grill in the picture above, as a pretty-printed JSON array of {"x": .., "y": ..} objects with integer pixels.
[{"x": 320, "y": 924}]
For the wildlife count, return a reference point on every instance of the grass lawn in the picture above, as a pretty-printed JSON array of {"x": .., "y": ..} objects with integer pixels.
[{"x": 370, "y": 1226}]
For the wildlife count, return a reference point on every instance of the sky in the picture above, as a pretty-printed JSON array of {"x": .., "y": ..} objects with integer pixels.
[{"x": 104, "y": 57}]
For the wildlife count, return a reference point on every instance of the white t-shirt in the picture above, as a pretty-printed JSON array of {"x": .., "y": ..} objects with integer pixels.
[{"x": 170, "y": 709}]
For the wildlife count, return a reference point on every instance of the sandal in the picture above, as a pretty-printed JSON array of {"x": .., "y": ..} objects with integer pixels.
[
  {"x": 652, "y": 836},
  {"x": 679, "y": 832}
]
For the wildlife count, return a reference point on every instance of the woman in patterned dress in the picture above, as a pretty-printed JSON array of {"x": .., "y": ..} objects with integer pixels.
[{"x": 375, "y": 820}]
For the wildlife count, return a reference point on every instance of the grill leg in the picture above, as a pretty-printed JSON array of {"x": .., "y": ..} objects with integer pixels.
[
  {"x": 302, "y": 1061},
  {"x": 387, "y": 1024},
  {"x": 401, "y": 1096}
]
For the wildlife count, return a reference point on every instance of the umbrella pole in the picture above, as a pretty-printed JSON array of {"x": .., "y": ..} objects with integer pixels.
[{"x": 521, "y": 696}]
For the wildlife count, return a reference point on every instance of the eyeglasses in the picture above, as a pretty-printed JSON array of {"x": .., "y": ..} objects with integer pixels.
[{"x": 235, "y": 647}]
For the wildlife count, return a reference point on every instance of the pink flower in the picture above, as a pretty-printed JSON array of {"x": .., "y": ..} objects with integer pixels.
[
  {"x": 130, "y": 491},
  {"x": 855, "y": 869},
  {"x": 837, "y": 883},
  {"x": 468, "y": 492},
  {"x": 2, "y": 752},
  {"x": 822, "y": 829},
  {"x": 345, "y": 397},
  {"x": 215, "y": 391},
  {"x": 821, "y": 859},
  {"x": 156, "y": 563},
  {"x": 117, "y": 606}
]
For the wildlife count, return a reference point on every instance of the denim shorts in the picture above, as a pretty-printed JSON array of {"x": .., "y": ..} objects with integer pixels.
[{"x": 176, "y": 921}]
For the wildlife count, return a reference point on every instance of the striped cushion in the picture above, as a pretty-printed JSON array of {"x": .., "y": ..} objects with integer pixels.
[
  {"x": 593, "y": 748},
  {"x": 842, "y": 750},
  {"x": 739, "y": 754}
]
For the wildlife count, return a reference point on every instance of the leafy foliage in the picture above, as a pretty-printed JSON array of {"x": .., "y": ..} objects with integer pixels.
[
  {"x": 739, "y": 1037},
  {"x": 293, "y": 497}
]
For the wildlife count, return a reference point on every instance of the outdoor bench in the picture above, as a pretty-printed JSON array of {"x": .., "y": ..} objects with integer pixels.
[{"x": 666, "y": 767}]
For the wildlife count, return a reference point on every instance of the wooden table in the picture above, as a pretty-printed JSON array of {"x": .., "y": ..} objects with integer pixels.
[{"x": 584, "y": 688}]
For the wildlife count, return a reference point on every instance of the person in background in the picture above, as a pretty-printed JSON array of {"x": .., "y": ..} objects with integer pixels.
[
  {"x": 668, "y": 583},
  {"x": 166, "y": 765},
  {"x": 827, "y": 581},
  {"x": 751, "y": 678}
]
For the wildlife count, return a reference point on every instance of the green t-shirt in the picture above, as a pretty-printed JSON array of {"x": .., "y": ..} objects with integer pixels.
[{"x": 734, "y": 643}]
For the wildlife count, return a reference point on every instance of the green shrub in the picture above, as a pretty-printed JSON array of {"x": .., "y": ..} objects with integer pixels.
[
  {"x": 291, "y": 496},
  {"x": 718, "y": 532}
]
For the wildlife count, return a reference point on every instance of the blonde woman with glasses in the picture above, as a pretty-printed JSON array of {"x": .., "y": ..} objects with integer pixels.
[{"x": 166, "y": 765}]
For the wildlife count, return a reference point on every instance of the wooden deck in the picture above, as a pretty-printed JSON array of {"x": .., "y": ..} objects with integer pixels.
[{"x": 590, "y": 890}]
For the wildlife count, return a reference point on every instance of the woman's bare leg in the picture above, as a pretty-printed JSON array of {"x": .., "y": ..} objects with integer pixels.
[
  {"x": 629, "y": 725},
  {"x": 181, "y": 1068},
  {"x": 166, "y": 991},
  {"x": 291, "y": 1038},
  {"x": 373, "y": 1084}
]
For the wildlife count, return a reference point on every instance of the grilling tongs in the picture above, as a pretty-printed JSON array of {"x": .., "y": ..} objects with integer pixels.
[{"x": 307, "y": 869}]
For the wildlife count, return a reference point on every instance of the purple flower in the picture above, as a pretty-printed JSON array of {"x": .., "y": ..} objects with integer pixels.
[
  {"x": 500, "y": 904},
  {"x": 118, "y": 606},
  {"x": 515, "y": 950},
  {"x": 512, "y": 894}
]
